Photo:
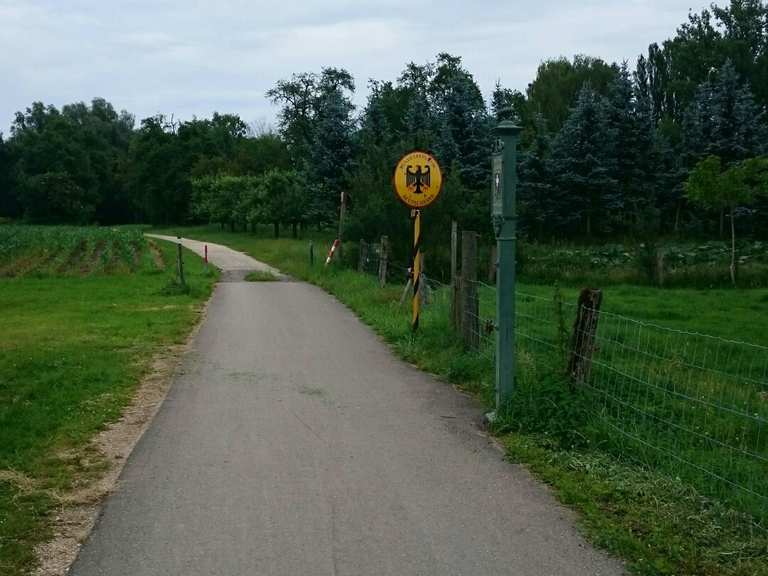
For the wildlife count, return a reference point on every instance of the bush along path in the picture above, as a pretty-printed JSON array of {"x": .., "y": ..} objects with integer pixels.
[{"x": 293, "y": 442}]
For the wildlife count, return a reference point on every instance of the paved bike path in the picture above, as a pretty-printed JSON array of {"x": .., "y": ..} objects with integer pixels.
[{"x": 292, "y": 442}]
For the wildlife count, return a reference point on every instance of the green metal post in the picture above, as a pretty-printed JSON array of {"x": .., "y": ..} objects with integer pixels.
[{"x": 505, "y": 224}]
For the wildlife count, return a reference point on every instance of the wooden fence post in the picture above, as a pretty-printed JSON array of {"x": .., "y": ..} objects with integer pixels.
[
  {"x": 383, "y": 259},
  {"x": 584, "y": 333},
  {"x": 455, "y": 305},
  {"x": 180, "y": 264},
  {"x": 470, "y": 321},
  {"x": 363, "y": 256}
]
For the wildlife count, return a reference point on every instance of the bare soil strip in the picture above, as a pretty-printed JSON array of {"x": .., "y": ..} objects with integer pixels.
[
  {"x": 91, "y": 261},
  {"x": 73, "y": 258},
  {"x": 157, "y": 255}
]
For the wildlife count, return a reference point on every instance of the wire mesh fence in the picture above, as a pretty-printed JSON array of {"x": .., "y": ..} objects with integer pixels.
[
  {"x": 691, "y": 405},
  {"x": 369, "y": 261}
]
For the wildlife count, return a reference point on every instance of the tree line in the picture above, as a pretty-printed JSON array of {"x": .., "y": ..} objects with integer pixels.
[
  {"x": 89, "y": 163},
  {"x": 606, "y": 151}
]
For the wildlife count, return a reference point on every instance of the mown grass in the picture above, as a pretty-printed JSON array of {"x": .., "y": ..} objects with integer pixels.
[
  {"x": 634, "y": 507},
  {"x": 260, "y": 276},
  {"x": 657, "y": 523},
  {"x": 72, "y": 351}
]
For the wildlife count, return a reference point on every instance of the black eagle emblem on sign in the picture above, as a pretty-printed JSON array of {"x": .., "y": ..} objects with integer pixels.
[{"x": 418, "y": 178}]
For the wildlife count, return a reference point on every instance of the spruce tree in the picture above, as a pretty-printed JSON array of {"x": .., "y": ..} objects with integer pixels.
[
  {"x": 331, "y": 155},
  {"x": 507, "y": 104},
  {"x": 418, "y": 129},
  {"x": 583, "y": 166},
  {"x": 634, "y": 141},
  {"x": 458, "y": 103},
  {"x": 535, "y": 201},
  {"x": 724, "y": 120},
  {"x": 670, "y": 172}
]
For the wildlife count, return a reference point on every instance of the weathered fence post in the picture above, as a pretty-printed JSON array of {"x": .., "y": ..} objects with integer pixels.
[
  {"x": 455, "y": 305},
  {"x": 584, "y": 334},
  {"x": 383, "y": 259},
  {"x": 180, "y": 263},
  {"x": 363, "y": 256},
  {"x": 470, "y": 325}
]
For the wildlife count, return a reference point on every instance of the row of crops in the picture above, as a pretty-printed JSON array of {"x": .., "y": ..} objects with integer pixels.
[{"x": 72, "y": 251}]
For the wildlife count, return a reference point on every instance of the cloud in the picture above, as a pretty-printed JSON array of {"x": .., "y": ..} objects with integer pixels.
[{"x": 192, "y": 58}]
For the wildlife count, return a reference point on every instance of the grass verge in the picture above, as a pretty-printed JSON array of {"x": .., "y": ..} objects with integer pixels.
[
  {"x": 658, "y": 523},
  {"x": 72, "y": 351},
  {"x": 260, "y": 276}
]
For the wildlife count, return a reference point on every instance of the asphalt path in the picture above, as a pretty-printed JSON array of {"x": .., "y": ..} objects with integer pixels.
[{"x": 292, "y": 442}]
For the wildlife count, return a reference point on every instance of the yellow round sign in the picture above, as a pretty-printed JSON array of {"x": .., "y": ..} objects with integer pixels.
[{"x": 418, "y": 179}]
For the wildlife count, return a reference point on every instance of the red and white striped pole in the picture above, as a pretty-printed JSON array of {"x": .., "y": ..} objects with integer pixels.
[{"x": 332, "y": 251}]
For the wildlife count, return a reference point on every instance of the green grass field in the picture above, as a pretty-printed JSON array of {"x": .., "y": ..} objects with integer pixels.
[
  {"x": 662, "y": 515},
  {"x": 260, "y": 276},
  {"x": 673, "y": 263},
  {"x": 74, "y": 345}
]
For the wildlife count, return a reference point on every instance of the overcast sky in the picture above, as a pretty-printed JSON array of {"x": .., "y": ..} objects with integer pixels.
[{"x": 188, "y": 57}]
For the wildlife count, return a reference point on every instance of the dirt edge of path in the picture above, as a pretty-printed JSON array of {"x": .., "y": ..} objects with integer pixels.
[{"x": 74, "y": 518}]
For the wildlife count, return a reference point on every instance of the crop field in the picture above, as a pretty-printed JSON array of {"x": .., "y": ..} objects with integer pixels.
[{"x": 71, "y": 251}]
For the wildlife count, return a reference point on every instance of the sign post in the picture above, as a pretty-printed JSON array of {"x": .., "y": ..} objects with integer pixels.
[
  {"x": 416, "y": 269},
  {"x": 503, "y": 216},
  {"x": 417, "y": 181}
]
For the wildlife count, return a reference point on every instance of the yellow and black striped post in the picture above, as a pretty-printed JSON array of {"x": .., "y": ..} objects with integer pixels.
[{"x": 416, "y": 268}]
